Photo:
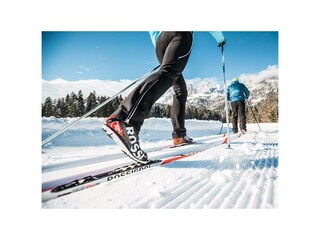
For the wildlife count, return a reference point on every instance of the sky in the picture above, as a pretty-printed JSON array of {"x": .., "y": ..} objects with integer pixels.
[{"x": 128, "y": 55}]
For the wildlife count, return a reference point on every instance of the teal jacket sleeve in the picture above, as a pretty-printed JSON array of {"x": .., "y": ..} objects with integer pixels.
[
  {"x": 218, "y": 36},
  {"x": 154, "y": 36}
]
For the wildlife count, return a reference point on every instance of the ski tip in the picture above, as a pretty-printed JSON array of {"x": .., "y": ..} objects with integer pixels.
[
  {"x": 175, "y": 158},
  {"x": 225, "y": 140}
]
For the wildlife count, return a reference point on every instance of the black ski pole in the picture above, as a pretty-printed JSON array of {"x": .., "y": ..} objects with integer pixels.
[
  {"x": 254, "y": 116},
  {"x": 221, "y": 128},
  {"x": 96, "y": 108}
]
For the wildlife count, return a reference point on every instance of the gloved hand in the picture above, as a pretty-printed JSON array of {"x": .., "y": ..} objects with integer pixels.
[{"x": 222, "y": 43}]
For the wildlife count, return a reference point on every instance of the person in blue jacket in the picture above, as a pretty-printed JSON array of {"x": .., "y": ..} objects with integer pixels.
[
  {"x": 237, "y": 93},
  {"x": 173, "y": 50}
]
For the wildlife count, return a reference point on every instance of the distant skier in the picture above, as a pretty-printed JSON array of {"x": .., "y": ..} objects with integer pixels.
[
  {"x": 173, "y": 50},
  {"x": 237, "y": 93}
]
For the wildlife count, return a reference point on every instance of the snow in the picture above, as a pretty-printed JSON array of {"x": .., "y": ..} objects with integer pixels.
[{"x": 244, "y": 177}]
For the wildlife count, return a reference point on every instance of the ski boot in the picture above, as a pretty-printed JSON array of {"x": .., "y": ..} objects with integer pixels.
[
  {"x": 126, "y": 136},
  {"x": 181, "y": 141}
]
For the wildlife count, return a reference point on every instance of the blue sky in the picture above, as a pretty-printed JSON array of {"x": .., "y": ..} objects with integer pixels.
[{"x": 128, "y": 55}]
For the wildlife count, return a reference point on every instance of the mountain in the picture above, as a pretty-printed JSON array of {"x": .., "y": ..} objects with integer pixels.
[
  {"x": 208, "y": 94},
  {"x": 203, "y": 93}
]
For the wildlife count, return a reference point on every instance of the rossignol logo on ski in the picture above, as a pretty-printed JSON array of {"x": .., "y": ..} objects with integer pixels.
[
  {"x": 135, "y": 147},
  {"x": 128, "y": 172}
]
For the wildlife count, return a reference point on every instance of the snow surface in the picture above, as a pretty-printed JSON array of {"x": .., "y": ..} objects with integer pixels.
[{"x": 244, "y": 177}]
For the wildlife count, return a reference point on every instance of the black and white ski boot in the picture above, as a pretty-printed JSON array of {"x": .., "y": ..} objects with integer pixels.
[{"x": 127, "y": 138}]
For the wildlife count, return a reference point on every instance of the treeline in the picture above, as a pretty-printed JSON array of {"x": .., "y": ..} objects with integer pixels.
[
  {"x": 75, "y": 105},
  {"x": 192, "y": 112}
]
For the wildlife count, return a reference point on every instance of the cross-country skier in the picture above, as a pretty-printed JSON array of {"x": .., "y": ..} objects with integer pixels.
[
  {"x": 173, "y": 50},
  {"x": 237, "y": 93}
]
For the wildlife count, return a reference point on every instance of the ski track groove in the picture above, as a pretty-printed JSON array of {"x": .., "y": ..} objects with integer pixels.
[
  {"x": 253, "y": 197},
  {"x": 203, "y": 202},
  {"x": 231, "y": 198},
  {"x": 146, "y": 202},
  {"x": 242, "y": 201},
  {"x": 254, "y": 188},
  {"x": 253, "y": 194},
  {"x": 256, "y": 192},
  {"x": 259, "y": 186},
  {"x": 269, "y": 190},
  {"x": 189, "y": 203},
  {"x": 189, "y": 194},
  {"x": 221, "y": 195},
  {"x": 163, "y": 202},
  {"x": 201, "y": 197}
]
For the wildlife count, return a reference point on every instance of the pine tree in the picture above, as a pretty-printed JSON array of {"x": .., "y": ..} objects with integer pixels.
[
  {"x": 80, "y": 104},
  {"x": 72, "y": 105},
  {"x": 103, "y": 111},
  {"x": 91, "y": 102},
  {"x": 68, "y": 103},
  {"x": 60, "y": 108},
  {"x": 47, "y": 108},
  {"x": 168, "y": 111},
  {"x": 116, "y": 102},
  {"x": 156, "y": 111}
]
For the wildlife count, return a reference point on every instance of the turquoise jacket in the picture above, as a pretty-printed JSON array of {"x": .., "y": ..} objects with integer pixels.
[
  {"x": 237, "y": 92},
  {"x": 155, "y": 34}
]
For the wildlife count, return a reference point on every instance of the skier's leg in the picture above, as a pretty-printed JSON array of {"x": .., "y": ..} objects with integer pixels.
[
  {"x": 178, "y": 111},
  {"x": 234, "y": 108},
  {"x": 242, "y": 114},
  {"x": 136, "y": 107},
  {"x": 125, "y": 123}
]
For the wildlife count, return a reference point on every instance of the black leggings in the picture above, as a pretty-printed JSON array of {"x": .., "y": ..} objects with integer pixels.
[
  {"x": 173, "y": 51},
  {"x": 238, "y": 109}
]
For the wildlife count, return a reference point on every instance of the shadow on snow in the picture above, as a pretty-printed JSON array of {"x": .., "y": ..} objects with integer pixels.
[{"x": 225, "y": 165}]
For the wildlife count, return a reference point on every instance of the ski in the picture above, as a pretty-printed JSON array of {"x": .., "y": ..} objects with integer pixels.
[{"x": 92, "y": 180}]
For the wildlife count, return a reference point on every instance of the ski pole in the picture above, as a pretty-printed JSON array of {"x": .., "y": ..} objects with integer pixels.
[
  {"x": 96, "y": 108},
  {"x": 221, "y": 128},
  {"x": 254, "y": 115},
  {"x": 225, "y": 95}
]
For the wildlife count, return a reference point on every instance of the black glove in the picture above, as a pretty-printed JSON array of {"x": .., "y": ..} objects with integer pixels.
[{"x": 222, "y": 43}]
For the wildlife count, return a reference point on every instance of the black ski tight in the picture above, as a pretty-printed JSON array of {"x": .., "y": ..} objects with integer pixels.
[{"x": 173, "y": 51}]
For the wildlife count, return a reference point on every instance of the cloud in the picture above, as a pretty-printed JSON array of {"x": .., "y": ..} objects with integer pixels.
[
  {"x": 60, "y": 88},
  {"x": 270, "y": 73},
  {"x": 82, "y": 70}
]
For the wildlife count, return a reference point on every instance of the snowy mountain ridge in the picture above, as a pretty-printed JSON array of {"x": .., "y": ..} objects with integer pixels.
[
  {"x": 202, "y": 92},
  {"x": 207, "y": 93}
]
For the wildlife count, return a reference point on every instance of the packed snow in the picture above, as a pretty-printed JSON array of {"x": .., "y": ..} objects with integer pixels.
[{"x": 244, "y": 177}]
